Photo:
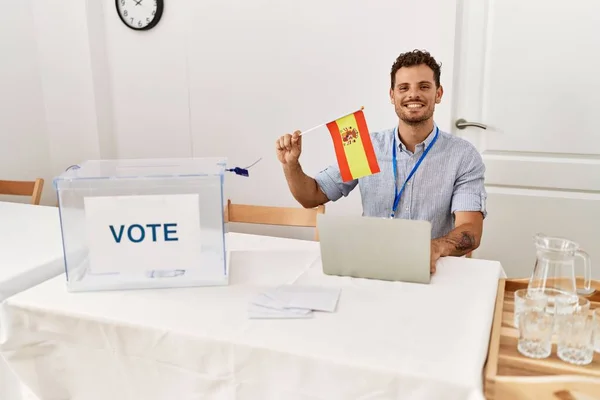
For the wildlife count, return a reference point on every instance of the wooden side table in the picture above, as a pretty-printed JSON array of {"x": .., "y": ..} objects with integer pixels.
[{"x": 512, "y": 376}]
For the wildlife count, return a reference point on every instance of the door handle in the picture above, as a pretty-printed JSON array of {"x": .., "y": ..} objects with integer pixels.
[{"x": 462, "y": 124}]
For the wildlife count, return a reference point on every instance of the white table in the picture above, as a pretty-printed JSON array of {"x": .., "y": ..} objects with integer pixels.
[
  {"x": 386, "y": 340},
  {"x": 30, "y": 253}
]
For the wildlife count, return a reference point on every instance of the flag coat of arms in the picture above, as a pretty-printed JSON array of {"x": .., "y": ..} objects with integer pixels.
[{"x": 353, "y": 147}]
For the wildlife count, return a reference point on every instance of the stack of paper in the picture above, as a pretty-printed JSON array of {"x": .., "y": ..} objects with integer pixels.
[{"x": 291, "y": 301}]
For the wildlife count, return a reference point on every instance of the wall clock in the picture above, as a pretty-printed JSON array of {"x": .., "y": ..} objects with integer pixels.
[{"x": 140, "y": 15}]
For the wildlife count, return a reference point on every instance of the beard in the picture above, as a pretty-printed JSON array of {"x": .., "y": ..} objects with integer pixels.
[{"x": 414, "y": 118}]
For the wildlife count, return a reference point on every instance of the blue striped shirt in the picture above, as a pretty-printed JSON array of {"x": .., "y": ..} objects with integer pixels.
[{"x": 449, "y": 179}]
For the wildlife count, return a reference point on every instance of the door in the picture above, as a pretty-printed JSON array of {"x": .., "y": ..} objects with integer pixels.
[{"x": 529, "y": 73}]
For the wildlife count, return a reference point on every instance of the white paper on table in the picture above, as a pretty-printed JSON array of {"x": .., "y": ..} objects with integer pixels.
[
  {"x": 315, "y": 298},
  {"x": 259, "y": 312},
  {"x": 274, "y": 304}
]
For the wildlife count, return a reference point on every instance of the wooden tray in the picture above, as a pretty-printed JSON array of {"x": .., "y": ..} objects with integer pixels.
[{"x": 510, "y": 375}]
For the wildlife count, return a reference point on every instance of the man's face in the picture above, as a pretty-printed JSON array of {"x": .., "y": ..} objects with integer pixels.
[{"x": 414, "y": 94}]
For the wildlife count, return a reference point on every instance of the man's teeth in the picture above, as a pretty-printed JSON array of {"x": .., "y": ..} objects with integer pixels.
[{"x": 414, "y": 105}]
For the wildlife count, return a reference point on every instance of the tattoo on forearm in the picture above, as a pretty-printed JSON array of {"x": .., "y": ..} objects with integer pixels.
[
  {"x": 466, "y": 242},
  {"x": 460, "y": 242}
]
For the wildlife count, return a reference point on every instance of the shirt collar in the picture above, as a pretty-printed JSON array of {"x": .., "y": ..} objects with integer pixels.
[{"x": 421, "y": 146}]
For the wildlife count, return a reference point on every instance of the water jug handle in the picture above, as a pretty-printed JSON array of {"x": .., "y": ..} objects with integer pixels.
[{"x": 587, "y": 273}]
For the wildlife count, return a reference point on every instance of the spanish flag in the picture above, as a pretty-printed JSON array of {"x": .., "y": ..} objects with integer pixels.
[{"x": 353, "y": 148}]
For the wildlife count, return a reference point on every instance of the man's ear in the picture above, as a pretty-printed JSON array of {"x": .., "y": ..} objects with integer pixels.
[
  {"x": 438, "y": 95},
  {"x": 392, "y": 96}
]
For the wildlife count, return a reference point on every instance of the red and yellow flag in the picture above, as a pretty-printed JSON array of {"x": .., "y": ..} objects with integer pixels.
[{"x": 353, "y": 148}]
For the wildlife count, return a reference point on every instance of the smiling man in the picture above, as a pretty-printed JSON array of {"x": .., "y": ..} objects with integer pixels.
[{"x": 426, "y": 174}]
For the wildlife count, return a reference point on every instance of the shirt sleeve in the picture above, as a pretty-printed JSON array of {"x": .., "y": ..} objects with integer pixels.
[
  {"x": 469, "y": 191},
  {"x": 330, "y": 182}
]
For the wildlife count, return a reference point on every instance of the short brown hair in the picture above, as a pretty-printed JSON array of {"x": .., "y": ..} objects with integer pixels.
[{"x": 413, "y": 58}]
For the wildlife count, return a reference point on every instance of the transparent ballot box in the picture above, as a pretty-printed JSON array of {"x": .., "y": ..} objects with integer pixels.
[{"x": 154, "y": 223}]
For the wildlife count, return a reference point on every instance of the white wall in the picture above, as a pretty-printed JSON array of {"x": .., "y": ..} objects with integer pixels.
[
  {"x": 54, "y": 111},
  {"x": 218, "y": 78},
  {"x": 67, "y": 82},
  {"x": 147, "y": 73},
  {"x": 24, "y": 151},
  {"x": 226, "y": 78}
]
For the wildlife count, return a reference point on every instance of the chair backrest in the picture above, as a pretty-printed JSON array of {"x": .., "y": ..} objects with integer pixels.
[
  {"x": 267, "y": 215},
  {"x": 23, "y": 188}
]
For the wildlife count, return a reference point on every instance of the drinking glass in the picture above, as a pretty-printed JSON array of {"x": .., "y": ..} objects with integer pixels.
[
  {"x": 575, "y": 337},
  {"x": 526, "y": 300},
  {"x": 596, "y": 317},
  {"x": 569, "y": 305},
  {"x": 535, "y": 333}
]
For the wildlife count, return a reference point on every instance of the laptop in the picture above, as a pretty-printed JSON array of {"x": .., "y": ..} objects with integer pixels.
[{"x": 375, "y": 248}]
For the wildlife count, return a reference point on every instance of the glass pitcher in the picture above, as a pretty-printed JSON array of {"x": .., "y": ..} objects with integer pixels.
[{"x": 554, "y": 271}]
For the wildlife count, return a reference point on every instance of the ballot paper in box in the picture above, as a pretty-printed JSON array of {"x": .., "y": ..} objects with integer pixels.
[{"x": 134, "y": 224}]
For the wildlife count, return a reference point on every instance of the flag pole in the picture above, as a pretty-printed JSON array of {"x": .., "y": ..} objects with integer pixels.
[{"x": 320, "y": 125}]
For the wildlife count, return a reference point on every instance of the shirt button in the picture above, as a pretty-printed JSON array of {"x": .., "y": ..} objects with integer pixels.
[
  {"x": 408, "y": 183},
  {"x": 406, "y": 208}
]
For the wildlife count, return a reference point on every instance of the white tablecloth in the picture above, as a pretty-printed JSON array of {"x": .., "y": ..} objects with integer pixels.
[
  {"x": 386, "y": 340},
  {"x": 30, "y": 253}
]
